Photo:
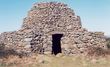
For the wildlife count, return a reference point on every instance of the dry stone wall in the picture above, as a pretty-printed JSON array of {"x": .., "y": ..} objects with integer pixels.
[{"x": 46, "y": 19}]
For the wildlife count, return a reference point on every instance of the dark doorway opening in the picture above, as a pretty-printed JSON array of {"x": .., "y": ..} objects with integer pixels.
[{"x": 56, "y": 43}]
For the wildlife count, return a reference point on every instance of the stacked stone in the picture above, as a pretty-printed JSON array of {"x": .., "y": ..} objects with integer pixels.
[
  {"x": 46, "y": 19},
  {"x": 52, "y": 14}
]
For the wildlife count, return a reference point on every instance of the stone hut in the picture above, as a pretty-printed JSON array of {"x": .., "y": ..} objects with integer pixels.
[{"x": 52, "y": 27}]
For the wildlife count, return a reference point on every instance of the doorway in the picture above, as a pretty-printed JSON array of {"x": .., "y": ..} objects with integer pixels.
[{"x": 56, "y": 43}]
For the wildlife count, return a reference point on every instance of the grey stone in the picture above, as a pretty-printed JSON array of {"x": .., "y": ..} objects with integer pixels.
[{"x": 46, "y": 19}]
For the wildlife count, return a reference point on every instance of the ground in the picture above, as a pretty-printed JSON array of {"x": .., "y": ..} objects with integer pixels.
[{"x": 55, "y": 61}]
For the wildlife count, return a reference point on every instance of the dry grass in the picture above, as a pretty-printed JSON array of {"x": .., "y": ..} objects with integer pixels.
[
  {"x": 97, "y": 51},
  {"x": 55, "y": 61},
  {"x": 95, "y": 57}
]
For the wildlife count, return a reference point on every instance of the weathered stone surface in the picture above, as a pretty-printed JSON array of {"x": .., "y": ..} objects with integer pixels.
[{"x": 46, "y": 19}]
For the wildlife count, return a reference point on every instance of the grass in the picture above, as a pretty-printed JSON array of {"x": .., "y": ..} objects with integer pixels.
[
  {"x": 55, "y": 61},
  {"x": 77, "y": 61}
]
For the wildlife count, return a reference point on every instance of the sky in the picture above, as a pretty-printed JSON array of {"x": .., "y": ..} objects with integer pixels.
[{"x": 94, "y": 14}]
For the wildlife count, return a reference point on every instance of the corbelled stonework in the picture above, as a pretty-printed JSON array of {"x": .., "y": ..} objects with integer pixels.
[{"x": 45, "y": 20}]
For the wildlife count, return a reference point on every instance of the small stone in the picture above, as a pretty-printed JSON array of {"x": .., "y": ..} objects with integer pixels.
[
  {"x": 48, "y": 53},
  {"x": 27, "y": 46},
  {"x": 27, "y": 39},
  {"x": 59, "y": 55}
]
